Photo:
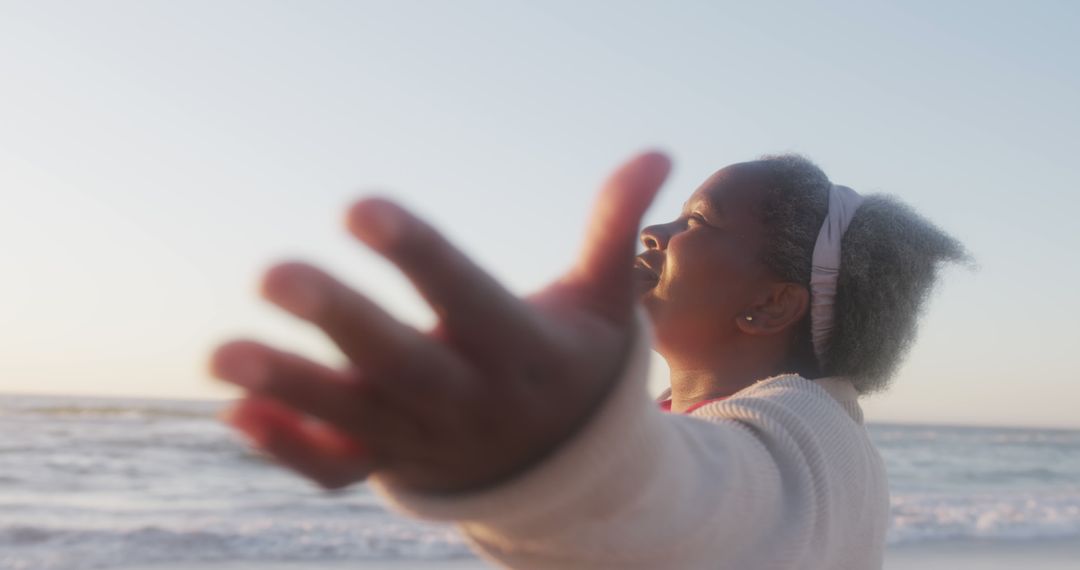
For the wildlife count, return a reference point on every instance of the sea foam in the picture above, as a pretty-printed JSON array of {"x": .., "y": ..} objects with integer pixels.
[{"x": 98, "y": 483}]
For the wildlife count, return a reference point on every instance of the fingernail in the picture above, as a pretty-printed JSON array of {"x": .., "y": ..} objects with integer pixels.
[
  {"x": 243, "y": 369},
  {"x": 296, "y": 290},
  {"x": 381, "y": 223}
]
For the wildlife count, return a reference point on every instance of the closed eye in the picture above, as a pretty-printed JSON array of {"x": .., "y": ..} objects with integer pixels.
[{"x": 696, "y": 218}]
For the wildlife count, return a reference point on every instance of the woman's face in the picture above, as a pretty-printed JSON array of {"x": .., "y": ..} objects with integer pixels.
[{"x": 702, "y": 271}]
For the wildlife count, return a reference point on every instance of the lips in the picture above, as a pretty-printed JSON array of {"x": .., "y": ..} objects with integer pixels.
[{"x": 645, "y": 276}]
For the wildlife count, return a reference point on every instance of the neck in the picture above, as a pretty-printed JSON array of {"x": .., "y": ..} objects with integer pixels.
[{"x": 692, "y": 384}]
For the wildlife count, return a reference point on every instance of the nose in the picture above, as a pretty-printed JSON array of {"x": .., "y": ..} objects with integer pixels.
[{"x": 656, "y": 236}]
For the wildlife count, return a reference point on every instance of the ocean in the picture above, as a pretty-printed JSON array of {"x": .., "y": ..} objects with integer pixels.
[{"x": 89, "y": 483}]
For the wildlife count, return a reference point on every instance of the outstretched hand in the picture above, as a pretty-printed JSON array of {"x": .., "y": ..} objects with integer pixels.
[{"x": 497, "y": 385}]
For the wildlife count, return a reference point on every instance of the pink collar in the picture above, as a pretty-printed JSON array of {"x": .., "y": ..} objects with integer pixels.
[{"x": 666, "y": 404}]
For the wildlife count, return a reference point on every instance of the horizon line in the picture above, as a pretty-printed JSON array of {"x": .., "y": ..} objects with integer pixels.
[{"x": 224, "y": 399}]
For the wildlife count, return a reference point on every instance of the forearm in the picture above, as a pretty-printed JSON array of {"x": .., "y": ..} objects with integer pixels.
[{"x": 634, "y": 488}]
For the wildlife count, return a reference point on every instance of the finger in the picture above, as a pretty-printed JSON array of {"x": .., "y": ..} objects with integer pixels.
[
  {"x": 474, "y": 308},
  {"x": 336, "y": 397},
  {"x": 313, "y": 449},
  {"x": 348, "y": 400},
  {"x": 401, "y": 361},
  {"x": 604, "y": 267},
  {"x": 364, "y": 332}
]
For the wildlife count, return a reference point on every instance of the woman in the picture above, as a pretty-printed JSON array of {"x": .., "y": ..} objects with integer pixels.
[{"x": 528, "y": 421}]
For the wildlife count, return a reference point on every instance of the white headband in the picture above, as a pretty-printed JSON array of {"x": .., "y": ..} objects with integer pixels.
[{"x": 843, "y": 202}]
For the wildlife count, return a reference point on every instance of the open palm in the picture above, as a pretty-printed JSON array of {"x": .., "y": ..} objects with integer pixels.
[{"x": 497, "y": 385}]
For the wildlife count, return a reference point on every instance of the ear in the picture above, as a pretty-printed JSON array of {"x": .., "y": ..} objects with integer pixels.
[{"x": 779, "y": 307}]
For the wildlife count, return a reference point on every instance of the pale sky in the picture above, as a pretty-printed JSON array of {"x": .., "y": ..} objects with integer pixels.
[{"x": 155, "y": 156}]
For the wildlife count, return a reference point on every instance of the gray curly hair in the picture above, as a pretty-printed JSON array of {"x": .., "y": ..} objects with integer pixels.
[{"x": 890, "y": 258}]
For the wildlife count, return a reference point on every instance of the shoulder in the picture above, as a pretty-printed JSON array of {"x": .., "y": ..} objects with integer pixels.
[
  {"x": 811, "y": 422},
  {"x": 793, "y": 397}
]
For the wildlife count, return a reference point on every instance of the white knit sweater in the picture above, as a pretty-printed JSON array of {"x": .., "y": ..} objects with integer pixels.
[{"x": 779, "y": 476}]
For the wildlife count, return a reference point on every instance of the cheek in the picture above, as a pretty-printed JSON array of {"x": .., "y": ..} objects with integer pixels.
[
  {"x": 699, "y": 278},
  {"x": 707, "y": 281}
]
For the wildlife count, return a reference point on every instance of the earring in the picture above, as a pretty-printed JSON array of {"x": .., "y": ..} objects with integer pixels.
[{"x": 749, "y": 318}]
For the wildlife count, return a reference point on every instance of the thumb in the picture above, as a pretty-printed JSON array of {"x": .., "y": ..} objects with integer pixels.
[{"x": 604, "y": 268}]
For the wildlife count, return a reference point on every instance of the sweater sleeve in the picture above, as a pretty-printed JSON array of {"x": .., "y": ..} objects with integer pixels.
[{"x": 635, "y": 488}]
